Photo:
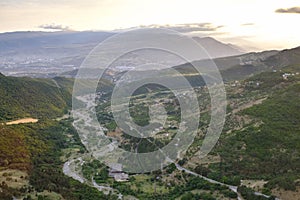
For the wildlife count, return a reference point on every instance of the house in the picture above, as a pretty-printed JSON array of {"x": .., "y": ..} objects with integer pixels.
[
  {"x": 285, "y": 76},
  {"x": 121, "y": 177},
  {"x": 116, "y": 172}
]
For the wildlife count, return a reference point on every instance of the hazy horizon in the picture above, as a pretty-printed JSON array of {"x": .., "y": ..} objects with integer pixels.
[{"x": 249, "y": 24}]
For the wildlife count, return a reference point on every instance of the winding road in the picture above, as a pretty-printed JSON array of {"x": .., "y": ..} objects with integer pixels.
[{"x": 69, "y": 167}]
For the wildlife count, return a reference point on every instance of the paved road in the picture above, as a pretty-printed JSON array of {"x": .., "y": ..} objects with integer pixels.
[
  {"x": 71, "y": 172},
  {"x": 88, "y": 122},
  {"x": 231, "y": 187}
]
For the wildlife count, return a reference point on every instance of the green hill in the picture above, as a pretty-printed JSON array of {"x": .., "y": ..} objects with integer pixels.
[
  {"x": 263, "y": 140},
  {"x": 30, "y": 154},
  {"x": 260, "y": 140},
  {"x": 37, "y": 98}
]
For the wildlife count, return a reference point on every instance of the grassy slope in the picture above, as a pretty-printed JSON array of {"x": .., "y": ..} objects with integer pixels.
[
  {"x": 38, "y": 153},
  {"x": 24, "y": 97},
  {"x": 38, "y": 98},
  {"x": 36, "y": 148},
  {"x": 270, "y": 150}
]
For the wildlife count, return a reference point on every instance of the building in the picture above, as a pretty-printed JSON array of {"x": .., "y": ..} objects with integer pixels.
[{"x": 116, "y": 172}]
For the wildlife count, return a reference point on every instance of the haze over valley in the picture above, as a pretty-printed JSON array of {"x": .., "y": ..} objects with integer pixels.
[{"x": 146, "y": 100}]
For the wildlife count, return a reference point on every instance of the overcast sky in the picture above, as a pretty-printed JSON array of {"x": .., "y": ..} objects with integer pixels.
[{"x": 262, "y": 24}]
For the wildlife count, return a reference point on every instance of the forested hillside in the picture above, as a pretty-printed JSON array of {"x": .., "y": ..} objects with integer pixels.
[{"x": 37, "y": 98}]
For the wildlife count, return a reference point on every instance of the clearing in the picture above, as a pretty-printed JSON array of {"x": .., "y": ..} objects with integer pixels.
[{"x": 22, "y": 121}]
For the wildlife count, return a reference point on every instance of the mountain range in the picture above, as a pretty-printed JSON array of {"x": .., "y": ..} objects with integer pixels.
[
  {"x": 258, "y": 150},
  {"x": 43, "y": 54}
]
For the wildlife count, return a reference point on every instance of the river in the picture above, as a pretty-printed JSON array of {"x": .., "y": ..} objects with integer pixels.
[{"x": 70, "y": 171}]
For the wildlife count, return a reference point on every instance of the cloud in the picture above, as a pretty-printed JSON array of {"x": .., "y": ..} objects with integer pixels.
[
  {"x": 295, "y": 10},
  {"x": 195, "y": 27},
  {"x": 185, "y": 28},
  {"x": 54, "y": 27},
  {"x": 192, "y": 27},
  {"x": 248, "y": 24}
]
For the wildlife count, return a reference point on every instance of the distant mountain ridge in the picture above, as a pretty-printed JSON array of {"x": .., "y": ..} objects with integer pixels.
[
  {"x": 18, "y": 41},
  {"x": 26, "y": 53},
  {"x": 218, "y": 49},
  {"x": 48, "y": 54},
  {"x": 245, "y": 65}
]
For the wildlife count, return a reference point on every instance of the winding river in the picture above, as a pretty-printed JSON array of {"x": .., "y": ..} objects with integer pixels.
[{"x": 69, "y": 167}]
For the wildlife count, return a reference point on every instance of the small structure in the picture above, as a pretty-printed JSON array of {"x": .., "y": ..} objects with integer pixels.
[
  {"x": 121, "y": 177},
  {"x": 116, "y": 172},
  {"x": 286, "y": 75}
]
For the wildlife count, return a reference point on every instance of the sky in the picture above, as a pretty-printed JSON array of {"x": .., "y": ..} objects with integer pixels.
[{"x": 252, "y": 24}]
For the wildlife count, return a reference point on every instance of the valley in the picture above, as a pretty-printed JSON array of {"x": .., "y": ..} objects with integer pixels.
[
  {"x": 52, "y": 161},
  {"x": 149, "y": 100}
]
